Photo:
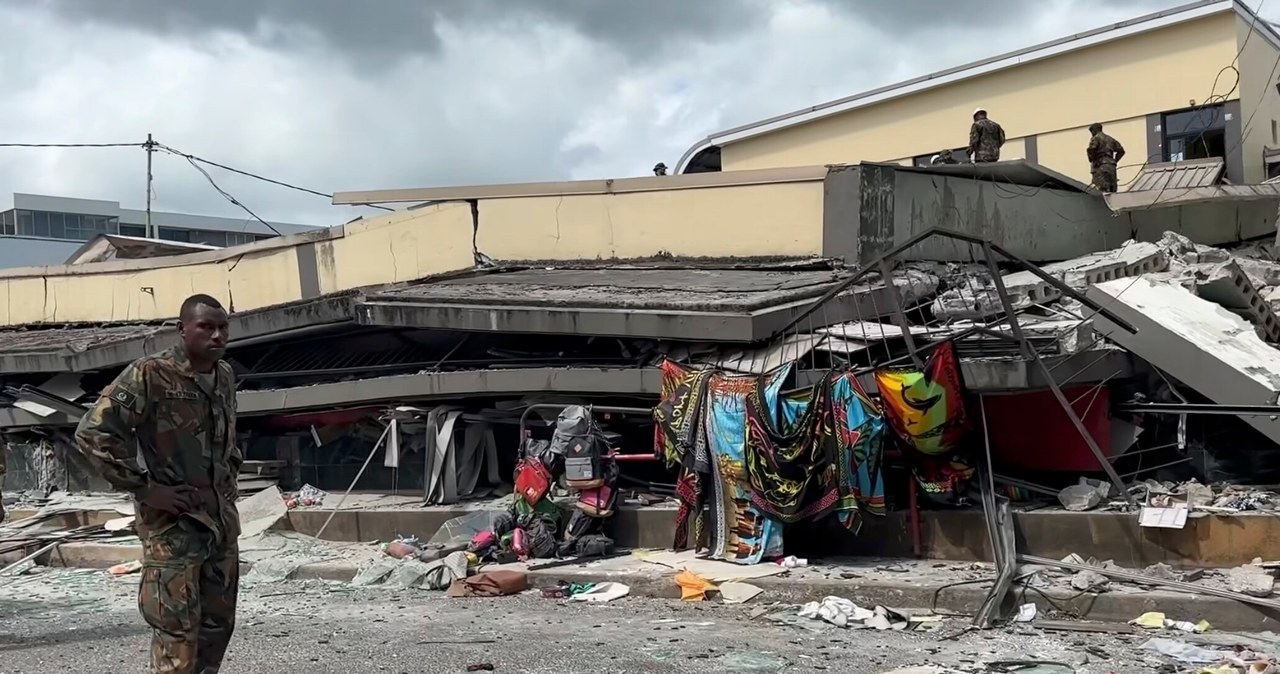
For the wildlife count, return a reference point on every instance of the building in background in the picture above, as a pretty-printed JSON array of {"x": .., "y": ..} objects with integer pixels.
[
  {"x": 1195, "y": 81},
  {"x": 43, "y": 230}
]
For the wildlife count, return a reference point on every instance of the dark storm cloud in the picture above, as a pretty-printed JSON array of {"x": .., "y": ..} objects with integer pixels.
[
  {"x": 914, "y": 16},
  {"x": 389, "y": 28}
]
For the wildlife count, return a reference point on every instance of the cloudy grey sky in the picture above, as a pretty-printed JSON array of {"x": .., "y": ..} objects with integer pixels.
[{"x": 340, "y": 95}]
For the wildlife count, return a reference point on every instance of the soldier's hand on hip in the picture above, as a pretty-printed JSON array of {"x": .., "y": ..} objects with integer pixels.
[{"x": 176, "y": 500}]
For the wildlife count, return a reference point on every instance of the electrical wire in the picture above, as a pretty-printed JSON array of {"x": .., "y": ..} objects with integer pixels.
[
  {"x": 193, "y": 158},
  {"x": 230, "y": 198},
  {"x": 72, "y": 144}
]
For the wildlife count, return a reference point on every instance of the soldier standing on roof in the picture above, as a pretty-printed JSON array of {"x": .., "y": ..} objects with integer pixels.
[
  {"x": 985, "y": 138},
  {"x": 1104, "y": 154},
  {"x": 177, "y": 410}
]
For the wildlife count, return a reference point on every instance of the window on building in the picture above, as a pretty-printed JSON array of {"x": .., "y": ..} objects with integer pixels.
[
  {"x": 7, "y": 220},
  {"x": 139, "y": 231},
  {"x": 174, "y": 234},
  {"x": 1198, "y": 133},
  {"x": 66, "y": 226}
]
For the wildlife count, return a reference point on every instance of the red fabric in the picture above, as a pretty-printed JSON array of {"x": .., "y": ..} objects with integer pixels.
[{"x": 1031, "y": 431}]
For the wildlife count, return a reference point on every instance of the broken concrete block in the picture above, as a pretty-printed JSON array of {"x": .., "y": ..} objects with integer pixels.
[
  {"x": 1199, "y": 343},
  {"x": 1198, "y": 494},
  {"x": 1079, "y": 497},
  {"x": 1090, "y": 581},
  {"x": 1251, "y": 580},
  {"x": 1187, "y": 251},
  {"x": 1228, "y": 286},
  {"x": 1160, "y": 572},
  {"x": 980, "y": 300}
]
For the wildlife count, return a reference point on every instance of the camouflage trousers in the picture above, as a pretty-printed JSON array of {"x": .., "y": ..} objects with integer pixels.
[
  {"x": 986, "y": 157},
  {"x": 1104, "y": 177},
  {"x": 4, "y": 448},
  {"x": 188, "y": 597}
]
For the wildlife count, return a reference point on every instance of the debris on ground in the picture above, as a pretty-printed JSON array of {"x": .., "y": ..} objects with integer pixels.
[
  {"x": 692, "y": 586},
  {"x": 603, "y": 592},
  {"x": 1251, "y": 579},
  {"x": 844, "y": 613}
]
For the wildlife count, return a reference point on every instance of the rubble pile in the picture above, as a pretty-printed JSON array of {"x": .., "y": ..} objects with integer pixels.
[{"x": 1235, "y": 278}]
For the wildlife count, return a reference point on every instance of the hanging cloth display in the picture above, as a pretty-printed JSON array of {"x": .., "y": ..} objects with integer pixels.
[
  {"x": 791, "y": 447},
  {"x": 859, "y": 427},
  {"x": 743, "y": 532},
  {"x": 925, "y": 409},
  {"x": 678, "y": 422}
]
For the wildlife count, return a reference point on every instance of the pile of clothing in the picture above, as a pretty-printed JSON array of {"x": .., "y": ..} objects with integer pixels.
[
  {"x": 754, "y": 457},
  {"x": 534, "y": 527}
]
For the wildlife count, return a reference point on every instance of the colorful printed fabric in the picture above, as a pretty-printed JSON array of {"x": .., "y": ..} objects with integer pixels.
[
  {"x": 925, "y": 408},
  {"x": 859, "y": 426},
  {"x": 746, "y": 534},
  {"x": 791, "y": 448},
  {"x": 677, "y": 430},
  {"x": 677, "y": 417}
]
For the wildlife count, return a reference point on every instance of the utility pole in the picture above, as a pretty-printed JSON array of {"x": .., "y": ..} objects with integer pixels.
[{"x": 150, "y": 147}]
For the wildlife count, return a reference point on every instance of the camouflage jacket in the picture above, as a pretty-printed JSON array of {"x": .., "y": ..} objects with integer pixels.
[
  {"x": 159, "y": 410},
  {"x": 1104, "y": 149},
  {"x": 985, "y": 140}
]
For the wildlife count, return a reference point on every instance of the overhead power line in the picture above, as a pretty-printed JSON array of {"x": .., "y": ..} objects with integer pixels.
[
  {"x": 193, "y": 158},
  {"x": 72, "y": 144}
]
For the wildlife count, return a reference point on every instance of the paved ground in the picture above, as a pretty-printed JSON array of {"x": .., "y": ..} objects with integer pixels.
[{"x": 85, "y": 621}]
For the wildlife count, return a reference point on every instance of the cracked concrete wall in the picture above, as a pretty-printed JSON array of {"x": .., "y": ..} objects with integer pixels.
[
  {"x": 770, "y": 219},
  {"x": 1038, "y": 224},
  {"x": 398, "y": 247}
]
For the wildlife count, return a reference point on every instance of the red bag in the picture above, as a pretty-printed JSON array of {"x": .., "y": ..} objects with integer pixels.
[
  {"x": 533, "y": 480},
  {"x": 597, "y": 502}
]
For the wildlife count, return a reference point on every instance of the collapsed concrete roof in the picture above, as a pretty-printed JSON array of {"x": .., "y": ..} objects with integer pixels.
[
  {"x": 107, "y": 247},
  {"x": 980, "y": 374},
  {"x": 727, "y": 305},
  {"x": 1013, "y": 172},
  {"x": 733, "y": 305}
]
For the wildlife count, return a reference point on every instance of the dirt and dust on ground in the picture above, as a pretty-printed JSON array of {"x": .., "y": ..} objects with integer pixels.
[{"x": 86, "y": 620}]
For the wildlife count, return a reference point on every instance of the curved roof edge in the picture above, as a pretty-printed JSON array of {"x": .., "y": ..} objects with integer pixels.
[{"x": 1142, "y": 24}]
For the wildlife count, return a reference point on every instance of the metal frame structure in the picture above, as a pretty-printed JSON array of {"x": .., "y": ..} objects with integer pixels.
[{"x": 990, "y": 252}]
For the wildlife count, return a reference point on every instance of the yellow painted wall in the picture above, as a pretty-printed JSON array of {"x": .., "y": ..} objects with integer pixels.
[
  {"x": 1127, "y": 78},
  {"x": 1064, "y": 151},
  {"x": 1258, "y": 99},
  {"x": 396, "y": 247},
  {"x": 748, "y": 220},
  {"x": 782, "y": 218}
]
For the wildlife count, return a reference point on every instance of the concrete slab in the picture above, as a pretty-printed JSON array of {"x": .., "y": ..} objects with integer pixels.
[
  {"x": 1026, "y": 289},
  {"x": 1203, "y": 345},
  {"x": 1229, "y": 286},
  {"x": 722, "y": 305}
]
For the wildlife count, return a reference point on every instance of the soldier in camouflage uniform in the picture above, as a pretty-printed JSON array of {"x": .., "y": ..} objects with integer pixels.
[
  {"x": 4, "y": 449},
  {"x": 177, "y": 410},
  {"x": 944, "y": 157},
  {"x": 985, "y": 138},
  {"x": 1104, "y": 154}
]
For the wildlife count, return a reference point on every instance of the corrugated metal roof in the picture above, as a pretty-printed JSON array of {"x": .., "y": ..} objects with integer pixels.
[
  {"x": 1175, "y": 197},
  {"x": 1182, "y": 174}
]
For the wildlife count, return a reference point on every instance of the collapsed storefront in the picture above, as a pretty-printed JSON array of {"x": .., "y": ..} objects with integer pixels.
[{"x": 782, "y": 392}]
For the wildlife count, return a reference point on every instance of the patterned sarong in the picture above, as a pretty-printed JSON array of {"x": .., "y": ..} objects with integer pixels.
[{"x": 925, "y": 409}]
